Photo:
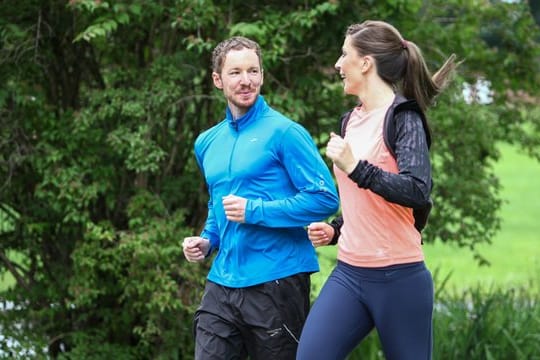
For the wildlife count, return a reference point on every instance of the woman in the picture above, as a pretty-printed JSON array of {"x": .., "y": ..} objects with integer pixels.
[{"x": 380, "y": 280}]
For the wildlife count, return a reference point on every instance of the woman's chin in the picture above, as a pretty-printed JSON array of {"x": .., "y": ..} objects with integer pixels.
[{"x": 348, "y": 91}]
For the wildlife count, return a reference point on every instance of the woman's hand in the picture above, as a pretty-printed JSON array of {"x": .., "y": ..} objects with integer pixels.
[
  {"x": 339, "y": 151},
  {"x": 320, "y": 233}
]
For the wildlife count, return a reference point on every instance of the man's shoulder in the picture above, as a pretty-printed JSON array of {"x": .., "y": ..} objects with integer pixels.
[
  {"x": 278, "y": 115},
  {"x": 281, "y": 121},
  {"x": 210, "y": 133}
]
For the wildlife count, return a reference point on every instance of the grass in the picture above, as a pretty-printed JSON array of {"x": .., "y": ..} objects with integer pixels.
[{"x": 514, "y": 253}]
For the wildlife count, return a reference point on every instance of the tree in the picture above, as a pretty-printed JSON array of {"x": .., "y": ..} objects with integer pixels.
[{"x": 101, "y": 103}]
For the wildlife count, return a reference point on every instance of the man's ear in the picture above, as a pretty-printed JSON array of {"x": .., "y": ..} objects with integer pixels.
[{"x": 217, "y": 80}]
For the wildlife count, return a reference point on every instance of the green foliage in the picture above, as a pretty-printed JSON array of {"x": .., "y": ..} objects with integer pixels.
[
  {"x": 104, "y": 22},
  {"x": 499, "y": 324},
  {"x": 142, "y": 277},
  {"x": 477, "y": 325},
  {"x": 465, "y": 187},
  {"x": 100, "y": 106}
]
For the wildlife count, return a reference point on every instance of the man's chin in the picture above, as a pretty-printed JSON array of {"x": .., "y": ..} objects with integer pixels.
[{"x": 245, "y": 103}]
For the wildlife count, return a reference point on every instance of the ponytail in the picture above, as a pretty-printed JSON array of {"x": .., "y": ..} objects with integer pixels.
[{"x": 418, "y": 83}]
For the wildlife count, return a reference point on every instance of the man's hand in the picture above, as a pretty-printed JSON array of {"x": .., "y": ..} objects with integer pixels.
[
  {"x": 195, "y": 248},
  {"x": 339, "y": 151},
  {"x": 235, "y": 208},
  {"x": 320, "y": 233}
]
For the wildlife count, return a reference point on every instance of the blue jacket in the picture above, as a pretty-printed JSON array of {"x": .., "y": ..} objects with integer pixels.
[{"x": 274, "y": 163}]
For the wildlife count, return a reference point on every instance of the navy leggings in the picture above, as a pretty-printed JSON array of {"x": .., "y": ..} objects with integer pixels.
[{"x": 396, "y": 300}]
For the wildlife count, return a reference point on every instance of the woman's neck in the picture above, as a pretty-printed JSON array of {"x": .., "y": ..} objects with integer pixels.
[{"x": 376, "y": 95}]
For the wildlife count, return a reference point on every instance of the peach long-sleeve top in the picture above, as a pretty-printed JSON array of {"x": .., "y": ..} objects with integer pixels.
[{"x": 376, "y": 232}]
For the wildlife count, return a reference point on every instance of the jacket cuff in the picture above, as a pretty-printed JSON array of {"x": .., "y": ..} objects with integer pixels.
[{"x": 337, "y": 233}]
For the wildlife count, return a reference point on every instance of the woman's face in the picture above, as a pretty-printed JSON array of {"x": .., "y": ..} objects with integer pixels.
[{"x": 351, "y": 67}]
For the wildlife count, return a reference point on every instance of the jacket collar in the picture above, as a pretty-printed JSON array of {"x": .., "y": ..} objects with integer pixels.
[{"x": 252, "y": 114}]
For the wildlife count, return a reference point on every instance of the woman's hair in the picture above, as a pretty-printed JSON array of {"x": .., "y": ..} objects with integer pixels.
[
  {"x": 234, "y": 43},
  {"x": 399, "y": 61}
]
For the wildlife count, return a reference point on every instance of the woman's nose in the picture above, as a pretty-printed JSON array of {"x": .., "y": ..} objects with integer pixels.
[{"x": 337, "y": 65}]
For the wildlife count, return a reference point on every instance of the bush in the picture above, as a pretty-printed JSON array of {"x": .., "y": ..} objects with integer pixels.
[
  {"x": 497, "y": 324},
  {"x": 478, "y": 324}
]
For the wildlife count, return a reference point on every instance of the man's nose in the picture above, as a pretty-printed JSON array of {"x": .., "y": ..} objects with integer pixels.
[{"x": 244, "y": 78}]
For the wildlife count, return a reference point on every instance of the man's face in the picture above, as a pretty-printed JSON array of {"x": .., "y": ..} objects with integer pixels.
[{"x": 241, "y": 79}]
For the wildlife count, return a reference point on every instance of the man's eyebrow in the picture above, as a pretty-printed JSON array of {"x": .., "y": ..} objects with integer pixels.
[{"x": 249, "y": 68}]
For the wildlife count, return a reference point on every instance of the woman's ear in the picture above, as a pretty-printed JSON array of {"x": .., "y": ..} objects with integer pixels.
[{"x": 366, "y": 65}]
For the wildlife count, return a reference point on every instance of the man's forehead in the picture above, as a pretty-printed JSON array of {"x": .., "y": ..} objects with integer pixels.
[{"x": 241, "y": 56}]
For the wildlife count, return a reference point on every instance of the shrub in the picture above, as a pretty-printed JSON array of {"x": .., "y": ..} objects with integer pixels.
[{"x": 478, "y": 324}]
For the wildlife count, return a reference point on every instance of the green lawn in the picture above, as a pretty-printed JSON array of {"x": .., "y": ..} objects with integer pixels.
[{"x": 515, "y": 252}]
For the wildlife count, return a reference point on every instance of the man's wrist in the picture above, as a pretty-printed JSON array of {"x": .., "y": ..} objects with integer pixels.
[{"x": 210, "y": 250}]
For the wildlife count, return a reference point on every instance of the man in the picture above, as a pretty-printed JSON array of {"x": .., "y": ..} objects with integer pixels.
[{"x": 266, "y": 182}]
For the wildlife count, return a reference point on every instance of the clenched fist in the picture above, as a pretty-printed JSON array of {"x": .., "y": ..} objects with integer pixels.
[
  {"x": 235, "y": 208},
  {"x": 339, "y": 151},
  {"x": 320, "y": 233},
  {"x": 195, "y": 248}
]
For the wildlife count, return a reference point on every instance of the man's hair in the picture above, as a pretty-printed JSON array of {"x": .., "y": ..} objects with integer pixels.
[{"x": 234, "y": 43}]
